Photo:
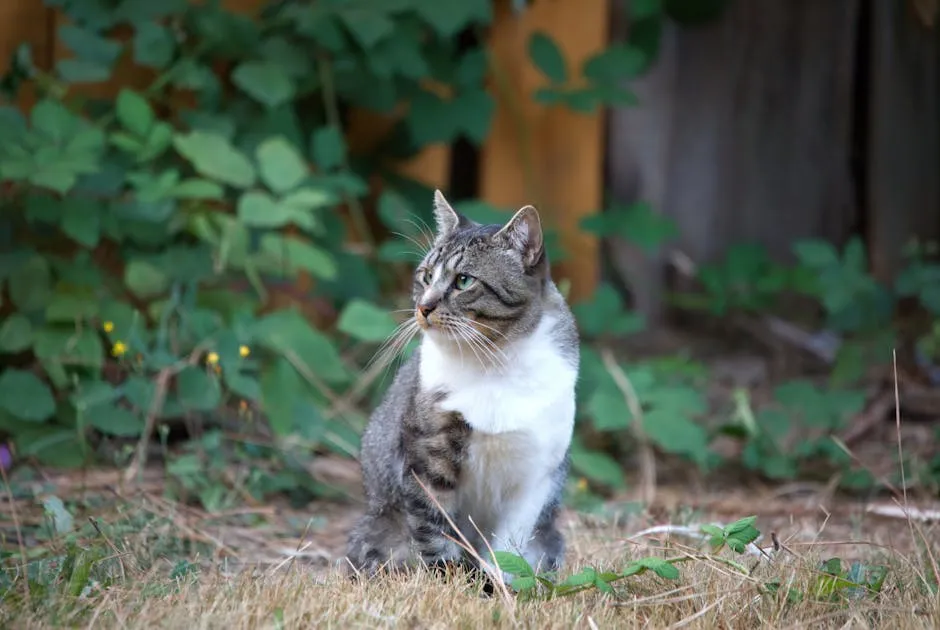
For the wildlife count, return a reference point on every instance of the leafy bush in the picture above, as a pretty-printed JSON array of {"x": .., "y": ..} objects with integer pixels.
[{"x": 151, "y": 240}]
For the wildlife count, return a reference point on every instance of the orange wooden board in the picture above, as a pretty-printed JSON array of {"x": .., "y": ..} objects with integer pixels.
[{"x": 551, "y": 157}]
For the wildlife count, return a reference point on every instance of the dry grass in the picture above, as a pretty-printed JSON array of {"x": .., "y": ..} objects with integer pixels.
[{"x": 296, "y": 593}]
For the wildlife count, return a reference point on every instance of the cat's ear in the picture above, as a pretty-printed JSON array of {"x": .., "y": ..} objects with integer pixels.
[
  {"x": 447, "y": 218},
  {"x": 523, "y": 233}
]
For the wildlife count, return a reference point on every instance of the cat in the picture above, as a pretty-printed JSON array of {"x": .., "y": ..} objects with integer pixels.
[{"x": 482, "y": 412}]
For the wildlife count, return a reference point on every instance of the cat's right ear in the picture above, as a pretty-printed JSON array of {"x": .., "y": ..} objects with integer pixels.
[{"x": 447, "y": 218}]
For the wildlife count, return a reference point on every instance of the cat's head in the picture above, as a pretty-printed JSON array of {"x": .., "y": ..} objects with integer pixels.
[{"x": 481, "y": 284}]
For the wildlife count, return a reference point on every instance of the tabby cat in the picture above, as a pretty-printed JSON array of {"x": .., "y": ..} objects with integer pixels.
[{"x": 482, "y": 412}]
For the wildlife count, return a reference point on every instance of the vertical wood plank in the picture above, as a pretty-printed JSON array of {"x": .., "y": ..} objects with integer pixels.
[
  {"x": 25, "y": 21},
  {"x": 904, "y": 140},
  {"x": 551, "y": 157}
]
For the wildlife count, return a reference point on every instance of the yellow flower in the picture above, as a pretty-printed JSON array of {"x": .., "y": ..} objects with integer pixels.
[
  {"x": 212, "y": 358},
  {"x": 119, "y": 348},
  {"x": 582, "y": 484},
  {"x": 108, "y": 326},
  {"x": 244, "y": 351}
]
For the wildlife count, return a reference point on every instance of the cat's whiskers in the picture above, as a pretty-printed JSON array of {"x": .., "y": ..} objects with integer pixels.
[
  {"x": 424, "y": 229},
  {"x": 423, "y": 248},
  {"x": 395, "y": 343},
  {"x": 477, "y": 341}
]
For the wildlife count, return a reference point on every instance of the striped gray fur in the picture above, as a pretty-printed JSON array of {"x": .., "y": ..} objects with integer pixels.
[{"x": 409, "y": 434}]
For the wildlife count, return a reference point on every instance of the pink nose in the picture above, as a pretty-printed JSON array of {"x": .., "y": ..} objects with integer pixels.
[{"x": 426, "y": 309}]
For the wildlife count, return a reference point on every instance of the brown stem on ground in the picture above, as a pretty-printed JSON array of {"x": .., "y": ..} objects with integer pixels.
[{"x": 647, "y": 457}]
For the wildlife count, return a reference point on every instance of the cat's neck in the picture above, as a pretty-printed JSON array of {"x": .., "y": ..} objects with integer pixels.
[{"x": 475, "y": 359}]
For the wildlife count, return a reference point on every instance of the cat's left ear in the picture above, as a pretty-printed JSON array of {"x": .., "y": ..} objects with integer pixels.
[
  {"x": 523, "y": 233},
  {"x": 446, "y": 217}
]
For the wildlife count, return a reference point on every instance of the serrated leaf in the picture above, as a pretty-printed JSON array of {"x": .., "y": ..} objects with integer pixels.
[
  {"x": 660, "y": 567},
  {"x": 197, "y": 389},
  {"x": 24, "y": 396},
  {"x": 365, "y": 321},
  {"x": 281, "y": 166},
  {"x": 213, "y": 156},
  {"x": 513, "y": 564},
  {"x": 547, "y": 57},
  {"x": 16, "y": 334},
  {"x": 266, "y": 82}
]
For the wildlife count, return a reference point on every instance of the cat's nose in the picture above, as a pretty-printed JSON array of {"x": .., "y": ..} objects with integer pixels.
[{"x": 426, "y": 309}]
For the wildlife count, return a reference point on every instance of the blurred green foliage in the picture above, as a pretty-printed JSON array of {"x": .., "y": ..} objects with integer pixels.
[{"x": 144, "y": 239}]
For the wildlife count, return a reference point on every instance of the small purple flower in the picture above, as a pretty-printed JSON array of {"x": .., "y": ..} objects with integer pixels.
[{"x": 6, "y": 457}]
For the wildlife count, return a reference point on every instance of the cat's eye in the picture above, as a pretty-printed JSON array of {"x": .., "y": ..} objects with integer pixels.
[
  {"x": 463, "y": 282},
  {"x": 426, "y": 276}
]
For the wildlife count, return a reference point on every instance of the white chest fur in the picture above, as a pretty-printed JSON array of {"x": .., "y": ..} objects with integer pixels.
[{"x": 522, "y": 416}]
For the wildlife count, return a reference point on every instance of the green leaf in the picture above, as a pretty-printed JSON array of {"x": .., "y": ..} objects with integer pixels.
[
  {"x": 673, "y": 433},
  {"x": 616, "y": 63},
  {"x": 608, "y": 409},
  {"x": 16, "y": 334},
  {"x": 113, "y": 420},
  {"x": 301, "y": 254},
  {"x": 198, "y": 390},
  {"x": 660, "y": 567},
  {"x": 81, "y": 220},
  {"x": 145, "y": 279},
  {"x": 259, "y": 209},
  {"x": 213, "y": 156},
  {"x": 71, "y": 307},
  {"x": 83, "y": 71},
  {"x": 282, "y": 167},
  {"x": 89, "y": 45},
  {"x": 266, "y": 82},
  {"x": 636, "y": 223},
  {"x": 365, "y": 321},
  {"x": 367, "y": 24},
  {"x": 599, "y": 467},
  {"x": 134, "y": 112},
  {"x": 60, "y": 345},
  {"x": 24, "y": 396},
  {"x": 282, "y": 391},
  {"x": 92, "y": 394},
  {"x": 195, "y": 188},
  {"x": 62, "y": 521},
  {"x": 513, "y": 564},
  {"x": 547, "y": 57},
  {"x": 816, "y": 253},
  {"x": 153, "y": 45},
  {"x": 30, "y": 286},
  {"x": 288, "y": 333},
  {"x": 328, "y": 147}
]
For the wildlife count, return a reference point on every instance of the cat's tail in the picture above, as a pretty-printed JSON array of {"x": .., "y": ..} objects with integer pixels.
[{"x": 377, "y": 541}]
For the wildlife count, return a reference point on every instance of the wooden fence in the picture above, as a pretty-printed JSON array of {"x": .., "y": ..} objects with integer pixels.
[{"x": 778, "y": 121}]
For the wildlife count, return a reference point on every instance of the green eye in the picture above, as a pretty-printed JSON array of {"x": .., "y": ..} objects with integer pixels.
[
  {"x": 426, "y": 276},
  {"x": 463, "y": 281}
]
